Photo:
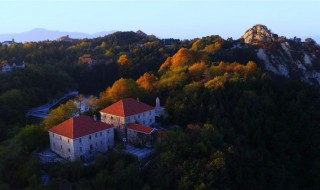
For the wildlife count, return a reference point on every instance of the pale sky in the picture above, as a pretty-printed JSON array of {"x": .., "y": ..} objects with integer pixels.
[{"x": 184, "y": 19}]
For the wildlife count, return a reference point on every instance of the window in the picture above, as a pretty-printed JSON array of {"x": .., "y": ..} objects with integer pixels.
[
  {"x": 68, "y": 141},
  {"x": 108, "y": 131},
  {"x": 144, "y": 123},
  {"x": 139, "y": 116},
  {"x": 143, "y": 114},
  {"x": 61, "y": 147},
  {"x": 80, "y": 149},
  {"x": 149, "y": 112},
  {"x": 60, "y": 138},
  {"x": 52, "y": 135},
  {"x": 89, "y": 137},
  {"x": 54, "y": 144},
  {"x": 68, "y": 149},
  {"x": 150, "y": 120},
  {"x": 100, "y": 134},
  {"x": 96, "y": 143},
  {"x": 80, "y": 140},
  {"x": 100, "y": 142},
  {"x": 96, "y": 135}
]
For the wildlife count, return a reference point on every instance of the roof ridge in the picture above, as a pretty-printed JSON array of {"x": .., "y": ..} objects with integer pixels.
[
  {"x": 123, "y": 107},
  {"x": 72, "y": 127}
]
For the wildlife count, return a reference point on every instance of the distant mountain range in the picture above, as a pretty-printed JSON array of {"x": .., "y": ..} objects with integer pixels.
[{"x": 40, "y": 34}]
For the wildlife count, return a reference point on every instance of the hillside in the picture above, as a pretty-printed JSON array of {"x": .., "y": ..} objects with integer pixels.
[
  {"x": 245, "y": 111},
  {"x": 289, "y": 58}
]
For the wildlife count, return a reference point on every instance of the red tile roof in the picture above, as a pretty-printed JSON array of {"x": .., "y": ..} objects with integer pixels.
[
  {"x": 78, "y": 127},
  {"x": 127, "y": 107},
  {"x": 140, "y": 128}
]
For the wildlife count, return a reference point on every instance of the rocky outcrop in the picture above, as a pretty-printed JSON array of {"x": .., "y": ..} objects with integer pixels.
[
  {"x": 141, "y": 33},
  {"x": 258, "y": 33},
  {"x": 290, "y": 58}
]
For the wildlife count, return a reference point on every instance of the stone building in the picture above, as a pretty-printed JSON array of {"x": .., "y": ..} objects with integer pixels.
[
  {"x": 128, "y": 111},
  {"x": 144, "y": 135},
  {"x": 80, "y": 136}
]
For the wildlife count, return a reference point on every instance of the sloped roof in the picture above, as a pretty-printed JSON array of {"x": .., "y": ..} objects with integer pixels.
[
  {"x": 140, "y": 128},
  {"x": 79, "y": 126},
  {"x": 127, "y": 107}
]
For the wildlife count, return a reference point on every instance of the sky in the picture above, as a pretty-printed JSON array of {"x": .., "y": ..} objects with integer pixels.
[{"x": 183, "y": 19}]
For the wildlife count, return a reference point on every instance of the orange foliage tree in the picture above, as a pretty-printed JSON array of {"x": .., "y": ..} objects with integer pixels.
[
  {"x": 122, "y": 88},
  {"x": 125, "y": 65},
  {"x": 148, "y": 82},
  {"x": 182, "y": 58},
  {"x": 213, "y": 47},
  {"x": 124, "y": 60}
]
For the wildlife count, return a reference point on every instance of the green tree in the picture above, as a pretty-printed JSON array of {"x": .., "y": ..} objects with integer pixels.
[
  {"x": 61, "y": 113},
  {"x": 33, "y": 137}
]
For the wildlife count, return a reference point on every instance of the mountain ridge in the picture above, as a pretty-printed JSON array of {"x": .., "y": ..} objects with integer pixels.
[
  {"x": 41, "y": 34},
  {"x": 291, "y": 58}
]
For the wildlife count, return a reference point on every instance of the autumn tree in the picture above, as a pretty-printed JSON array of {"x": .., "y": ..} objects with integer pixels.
[
  {"x": 212, "y": 48},
  {"x": 125, "y": 65},
  {"x": 86, "y": 58},
  {"x": 182, "y": 58},
  {"x": 103, "y": 45},
  {"x": 122, "y": 88},
  {"x": 197, "y": 45},
  {"x": 61, "y": 113},
  {"x": 198, "y": 71},
  {"x": 124, "y": 60},
  {"x": 166, "y": 65},
  {"x": 148, "y": 82},
  {"x": 251, "y": 69}
]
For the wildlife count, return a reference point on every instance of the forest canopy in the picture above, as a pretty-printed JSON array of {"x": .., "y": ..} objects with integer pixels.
[{"x": 236, "y": 125}]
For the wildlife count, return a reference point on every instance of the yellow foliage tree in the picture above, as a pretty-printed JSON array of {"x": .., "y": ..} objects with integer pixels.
[
  {"x": 103, "y": 45},
  {"x": 217, "y": 81},
  {"x": 197, "y": 45},
  {"x": 60, "y": 114},
  {"x": 198, "y": 71},
  {"x": 173, "y": 79},
  {"x": 124, "y": 60}
]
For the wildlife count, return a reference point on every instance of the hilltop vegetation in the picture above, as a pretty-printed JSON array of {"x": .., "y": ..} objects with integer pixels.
[{"x": 241, "y": 126}]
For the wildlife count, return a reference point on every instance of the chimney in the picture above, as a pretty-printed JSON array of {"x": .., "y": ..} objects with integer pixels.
[
  {"x": 138, "y": 100},
  {"x": 157, "y": 102},
  {"x": 95, "y": 117}
]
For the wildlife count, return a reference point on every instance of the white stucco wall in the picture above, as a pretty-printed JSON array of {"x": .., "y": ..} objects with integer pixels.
[
  {"x": 101, "y": 141},
  {"x": 145, "y": 118},
  {"x": 61, "y": 145},
  {"x": 132, "y": 135},
  {"x": 112, "y": 119}
]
